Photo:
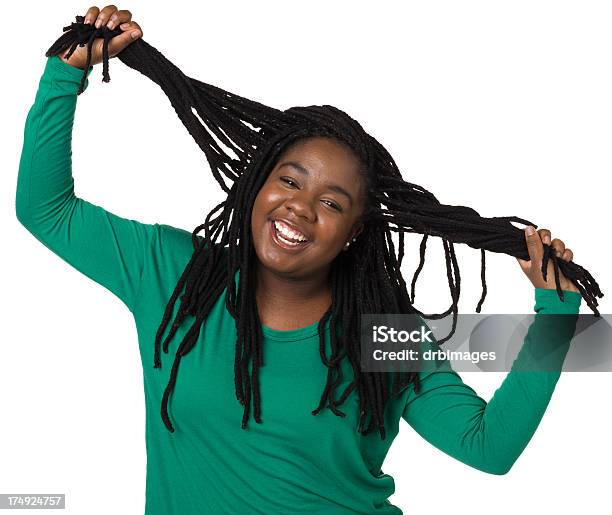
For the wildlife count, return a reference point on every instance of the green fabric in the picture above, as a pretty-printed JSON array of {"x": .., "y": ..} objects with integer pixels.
[{"x": 294, "y": 462}]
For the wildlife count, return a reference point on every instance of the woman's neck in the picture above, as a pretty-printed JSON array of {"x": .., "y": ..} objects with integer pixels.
[{"x": 285, "y": 303}]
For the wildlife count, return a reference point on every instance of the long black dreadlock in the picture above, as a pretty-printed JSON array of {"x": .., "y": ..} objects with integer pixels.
[{"x": 365, "y": 279}]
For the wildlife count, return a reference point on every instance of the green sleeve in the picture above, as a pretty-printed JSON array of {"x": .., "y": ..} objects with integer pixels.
[
  {"x": 491, "y": 436},
  {"x": 103, "y": 246}
]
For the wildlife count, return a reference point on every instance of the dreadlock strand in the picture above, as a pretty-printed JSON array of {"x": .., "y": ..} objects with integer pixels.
[
  {"x": 422, "y": 249},
  {"x": 483, "y": 279}
]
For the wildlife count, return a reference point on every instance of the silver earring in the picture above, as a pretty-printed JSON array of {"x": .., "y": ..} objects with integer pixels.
[{"x": 347, "y": 244}]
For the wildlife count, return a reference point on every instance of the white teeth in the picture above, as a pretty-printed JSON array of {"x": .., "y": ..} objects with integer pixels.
[
  {"x": 287, "y": 242},
  {"x": 289, "y": 233}
]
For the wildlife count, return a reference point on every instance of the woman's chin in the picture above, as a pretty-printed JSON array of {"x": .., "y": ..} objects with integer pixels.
[{"x": 277, "y": 262}]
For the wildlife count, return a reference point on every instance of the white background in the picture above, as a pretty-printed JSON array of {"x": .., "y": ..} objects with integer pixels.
[{"x": 503, "y": 107}]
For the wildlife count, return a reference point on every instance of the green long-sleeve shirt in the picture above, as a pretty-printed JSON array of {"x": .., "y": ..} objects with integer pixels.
[{"x": 293, "y": 462}]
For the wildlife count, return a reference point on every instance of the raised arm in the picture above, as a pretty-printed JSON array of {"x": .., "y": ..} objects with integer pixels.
[
  {"x": 491, "y": 436},
  {"x": 103, "y": 246}
]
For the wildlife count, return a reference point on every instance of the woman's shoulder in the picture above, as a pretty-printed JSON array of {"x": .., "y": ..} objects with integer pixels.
[{"x": 177, "y": 239}]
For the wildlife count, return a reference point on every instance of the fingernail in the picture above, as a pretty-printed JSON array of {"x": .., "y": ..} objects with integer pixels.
[
  {"x": 530, "y": 230},
  {"x": 546, "y": 240},
  {"x": 135, "y": 34},
  {"x": 123, "y": 25},
  {"x": 98, "y": 23},
  {"x": 110, "y": 25}
]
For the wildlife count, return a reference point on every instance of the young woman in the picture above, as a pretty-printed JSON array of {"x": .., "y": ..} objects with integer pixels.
[{"x": 310, "y": 257}]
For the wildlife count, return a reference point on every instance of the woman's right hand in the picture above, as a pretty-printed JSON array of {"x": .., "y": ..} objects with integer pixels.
[{"x": 112, "y": 18}]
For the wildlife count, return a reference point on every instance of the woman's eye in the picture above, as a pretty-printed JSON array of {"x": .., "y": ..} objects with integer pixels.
[
  {"x": 333, "y": 205},
  {"x": 287, "y": 180}
]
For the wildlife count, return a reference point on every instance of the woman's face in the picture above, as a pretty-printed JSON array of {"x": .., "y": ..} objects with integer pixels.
[{"x": 315, "y": 192}]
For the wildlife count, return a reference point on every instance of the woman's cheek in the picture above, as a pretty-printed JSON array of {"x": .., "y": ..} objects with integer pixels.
[{"x": 334, "y": 239}]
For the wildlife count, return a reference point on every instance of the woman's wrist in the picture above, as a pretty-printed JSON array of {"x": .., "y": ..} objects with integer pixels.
[{"x": 73, "y": 64}]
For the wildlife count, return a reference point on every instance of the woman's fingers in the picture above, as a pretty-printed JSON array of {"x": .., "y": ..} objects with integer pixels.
[
  {"x": 534, "y": 244},
  {"x": 105, "y": 15},
  {"x": 532, "y": 268},
  {"x": 131, "y": 32},
  {"x": 544, "y": 235},
  {"x": 130, "y": 26},
  {"x": 559, "y": 247},
  {"x": 91, "y": 15},
  {"x": 119, "y": 17},
  {"x": 557, "y": 244}
]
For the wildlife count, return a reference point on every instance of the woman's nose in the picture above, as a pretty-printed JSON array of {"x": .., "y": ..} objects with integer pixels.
[{"x": 301, "y": 205}]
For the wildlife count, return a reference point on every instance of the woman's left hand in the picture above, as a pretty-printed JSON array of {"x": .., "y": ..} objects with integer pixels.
[{"x": 533, "y": 267}]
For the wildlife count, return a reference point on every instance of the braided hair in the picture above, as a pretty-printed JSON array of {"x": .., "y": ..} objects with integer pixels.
[{"x": 364, "y": 279}]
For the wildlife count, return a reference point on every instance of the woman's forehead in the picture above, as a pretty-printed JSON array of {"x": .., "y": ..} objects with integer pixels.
[{"x": 323, "y": 156}]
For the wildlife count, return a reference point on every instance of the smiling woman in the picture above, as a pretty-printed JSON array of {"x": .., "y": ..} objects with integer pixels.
[{"x": 289, "y": 262}]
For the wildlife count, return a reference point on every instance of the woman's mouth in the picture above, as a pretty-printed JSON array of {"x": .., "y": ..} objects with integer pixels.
[{"x": 284, "y": 242}]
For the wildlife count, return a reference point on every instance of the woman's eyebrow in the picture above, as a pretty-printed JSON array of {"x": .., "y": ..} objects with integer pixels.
[{"x": 304, "y": 171}]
